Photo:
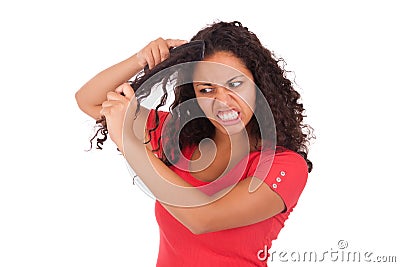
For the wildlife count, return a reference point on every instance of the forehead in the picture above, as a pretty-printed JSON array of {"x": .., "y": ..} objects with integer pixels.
[{"x": 219, "y": 68}]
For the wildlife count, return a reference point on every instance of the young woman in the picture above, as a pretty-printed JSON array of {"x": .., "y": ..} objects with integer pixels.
[{"x": 228, "y": 163}]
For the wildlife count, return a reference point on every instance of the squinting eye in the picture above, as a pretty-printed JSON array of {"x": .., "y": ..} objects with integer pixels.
[
  {"x": 206, "y": 90},
  {"x": 234, "y": 84}
]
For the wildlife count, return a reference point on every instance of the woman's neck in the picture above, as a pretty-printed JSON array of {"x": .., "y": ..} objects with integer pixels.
[{"x": 235, "y": 143}]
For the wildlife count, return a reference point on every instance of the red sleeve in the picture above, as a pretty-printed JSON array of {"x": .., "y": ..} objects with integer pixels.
[
  {"x": 156, "y": 133},
  {"x": 287, "y": 175}
]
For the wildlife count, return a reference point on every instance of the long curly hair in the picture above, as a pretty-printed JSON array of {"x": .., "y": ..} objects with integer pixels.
[{"x": 269, "y": 76}]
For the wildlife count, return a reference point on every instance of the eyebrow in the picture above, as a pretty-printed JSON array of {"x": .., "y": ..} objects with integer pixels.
[
  {"x": 239, "y": 76},
  {"x": 204, "y": 84},
  {"x": 210, "y": 84}
]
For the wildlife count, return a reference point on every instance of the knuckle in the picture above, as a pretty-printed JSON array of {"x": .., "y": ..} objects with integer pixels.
[
  {"x": 164, "y": 54},
  {"x": 165, "y": 51}
]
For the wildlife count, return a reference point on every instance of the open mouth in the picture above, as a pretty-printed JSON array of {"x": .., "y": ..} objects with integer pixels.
[{"x": 229, "y": 116}]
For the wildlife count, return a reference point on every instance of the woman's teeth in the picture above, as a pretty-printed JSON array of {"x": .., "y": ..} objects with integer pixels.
[{"x": 228, "y": 115}]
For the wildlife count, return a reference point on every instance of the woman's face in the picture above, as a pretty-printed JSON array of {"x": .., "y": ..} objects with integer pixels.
[{"x": 225, "y": 91}]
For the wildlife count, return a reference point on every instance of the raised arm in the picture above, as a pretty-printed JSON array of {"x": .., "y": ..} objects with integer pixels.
[
  {"x": 107, "y": 93},
  {"x": 92, "y": 94}
]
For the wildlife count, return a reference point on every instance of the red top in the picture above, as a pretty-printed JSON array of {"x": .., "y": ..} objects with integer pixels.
[{"x": 242, "y": 246}]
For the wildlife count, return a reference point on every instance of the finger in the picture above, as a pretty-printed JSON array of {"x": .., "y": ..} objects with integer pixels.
[
  {"x": 119, "y": 89},
  {"x": 146, "y": 55},
  {"x": 105, "y": 111},
  {"x": 164, "y": 51},
  {"x": 126, "y": 90},
  {"x": 108, "y": 111},
  {"x": 156, "y": 55},
  {"x": 175, "y": 42},
  {"x": 150, "y": 60},
  {"x": 111, "y": 103},
  {"x": 112, "y": 95}
]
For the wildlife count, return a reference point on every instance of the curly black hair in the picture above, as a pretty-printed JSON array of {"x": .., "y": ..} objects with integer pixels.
[{"x": 269, "y": 76}]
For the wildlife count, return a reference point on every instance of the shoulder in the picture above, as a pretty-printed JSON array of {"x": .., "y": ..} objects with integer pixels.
[
  {"x": 285, "y": 172},
  {"x": 282, "y": 159},
  {"x": 291, "y": 160}
]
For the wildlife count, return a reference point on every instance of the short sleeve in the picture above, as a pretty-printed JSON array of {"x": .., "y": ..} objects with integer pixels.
[
  {"x": 154, "y": 130},
  {"x": 287, "y": 175}
]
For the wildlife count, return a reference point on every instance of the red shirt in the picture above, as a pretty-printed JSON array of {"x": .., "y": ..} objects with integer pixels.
[{"x": 242, "y": 246}]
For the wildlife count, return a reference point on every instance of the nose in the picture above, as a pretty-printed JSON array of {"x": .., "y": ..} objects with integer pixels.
[{"x": 223, "y": 95}]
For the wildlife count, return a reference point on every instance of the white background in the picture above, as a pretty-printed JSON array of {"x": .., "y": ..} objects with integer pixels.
[{"x": 61, "y": 206}]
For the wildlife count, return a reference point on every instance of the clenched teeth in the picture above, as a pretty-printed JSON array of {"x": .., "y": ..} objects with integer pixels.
[{"x": 228, "y": 115}]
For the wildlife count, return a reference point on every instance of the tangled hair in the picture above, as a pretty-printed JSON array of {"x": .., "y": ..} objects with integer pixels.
[{"x": 270, "y": 78}]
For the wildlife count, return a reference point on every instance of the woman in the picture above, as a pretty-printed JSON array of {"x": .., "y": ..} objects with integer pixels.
[{"x": 218, "y": 132}]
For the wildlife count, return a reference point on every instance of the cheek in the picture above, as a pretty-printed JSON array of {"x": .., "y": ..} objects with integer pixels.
[
  {"x": 205, "y": 105},
  {"x": 248, "y": 98}
]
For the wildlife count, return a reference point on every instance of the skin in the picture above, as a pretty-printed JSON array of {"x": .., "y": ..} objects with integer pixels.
[
  {"x": 237, "y": 208},
  {"x": 227, "y": 85}
]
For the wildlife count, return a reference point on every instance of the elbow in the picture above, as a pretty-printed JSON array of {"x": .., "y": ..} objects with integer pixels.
[
  {"x": 85, "y": 106},
  {"x": 197, "y": 220},
  {"x": 79, "y": 100},
  {"x": 197, "y": 231},
  {"x": 200, "y": 227}
]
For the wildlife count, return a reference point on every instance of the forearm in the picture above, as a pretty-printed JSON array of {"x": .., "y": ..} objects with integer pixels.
[
  {"x": 201, "y": 213},
  {"x": 181, "y": 199},
  {"x": 166, "y": 185},
  {"x": 94, "y": 92}
]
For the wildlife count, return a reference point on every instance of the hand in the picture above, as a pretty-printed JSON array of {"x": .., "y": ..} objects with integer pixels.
[
  {"x": 157, "y": 51},
  {"x": 114, "y": 109}
]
